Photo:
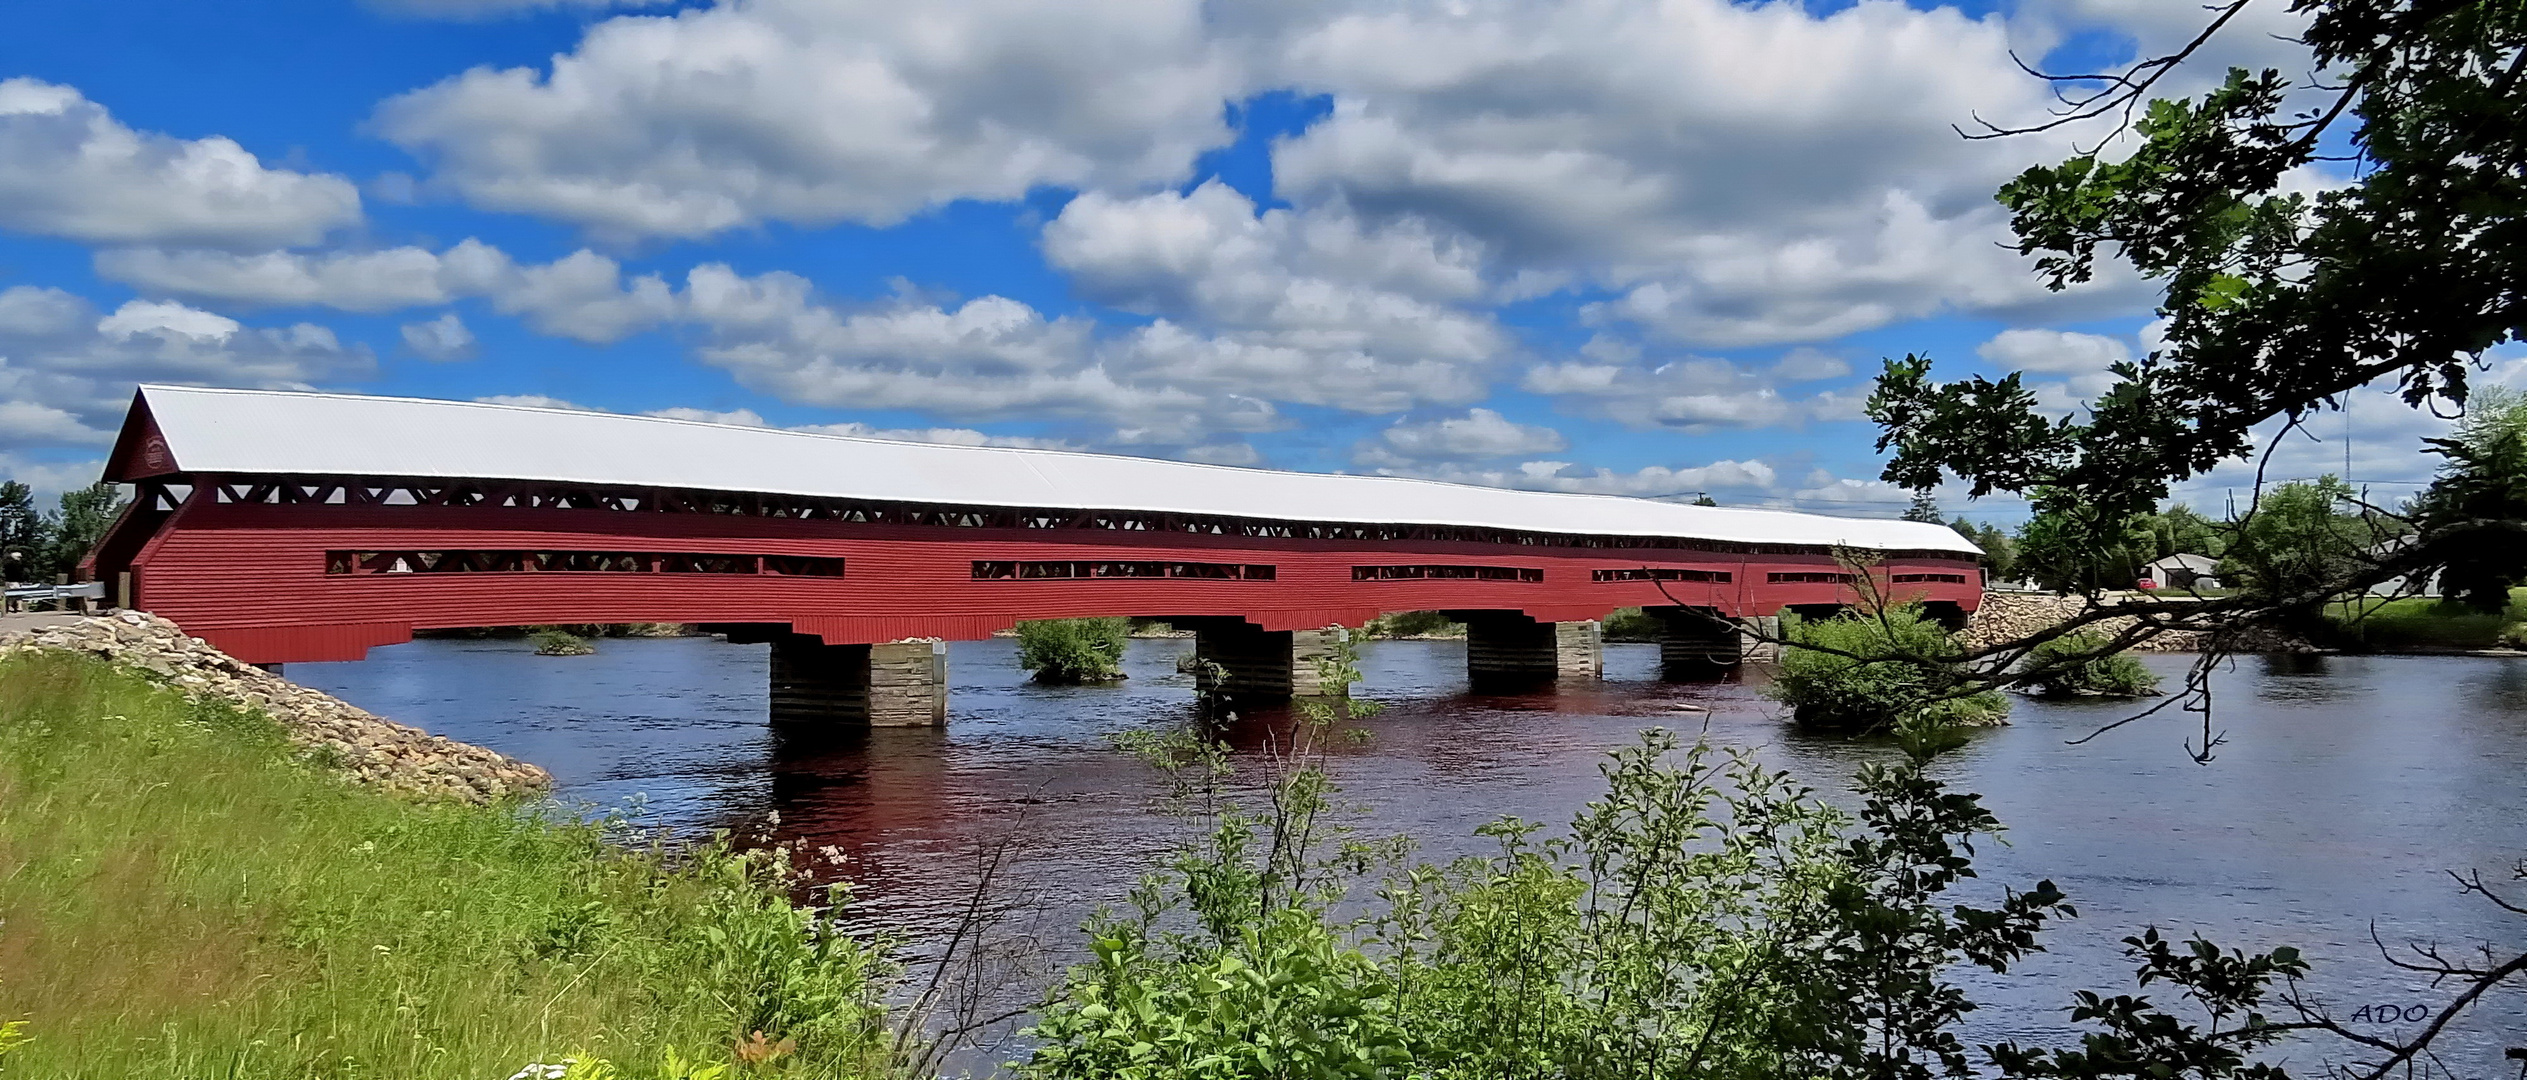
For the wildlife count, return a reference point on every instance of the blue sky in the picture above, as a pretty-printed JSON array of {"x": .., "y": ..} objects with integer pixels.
[{"x": 1612, "y": 246}]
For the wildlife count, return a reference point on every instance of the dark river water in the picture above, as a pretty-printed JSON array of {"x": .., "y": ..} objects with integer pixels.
[{"x": 2347, "y": 791}]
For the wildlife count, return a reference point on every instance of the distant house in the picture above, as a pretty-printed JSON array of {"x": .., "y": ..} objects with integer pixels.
[{"x": 2181, "y": 571}]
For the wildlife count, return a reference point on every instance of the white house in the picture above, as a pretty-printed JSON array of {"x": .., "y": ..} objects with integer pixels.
[{"x": 2182, "y": 571}]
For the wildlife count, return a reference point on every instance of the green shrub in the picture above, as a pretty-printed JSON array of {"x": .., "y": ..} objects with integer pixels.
[
  {"x": 1633, "y": 624},
  {"x": 2064, "y": 669},
  {"x": 554, "y": 642},
  {"x": 1864, "y": 672},
  {"x": 186, "y": 898},
  {"x": 1402, "y": 624},
  {"x": 1705, "y": 918},
  {"x": 1072, "y": 651}
]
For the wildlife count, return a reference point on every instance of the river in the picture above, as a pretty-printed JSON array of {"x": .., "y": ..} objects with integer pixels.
[{"x": 2346, "y": 791}]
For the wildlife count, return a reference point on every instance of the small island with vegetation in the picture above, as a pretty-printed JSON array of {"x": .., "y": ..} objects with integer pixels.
[
  {"x": 1862, "y": 671},
  {"x": 2077, "y": 665},
  {"x": 1073, "y": 652},
  {"x": 556, "y": 642}
]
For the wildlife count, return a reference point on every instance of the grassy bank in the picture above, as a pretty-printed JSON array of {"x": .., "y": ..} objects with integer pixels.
[
  {"x": 182, "y": 899},
  {"x": 2423, "y": 623}
]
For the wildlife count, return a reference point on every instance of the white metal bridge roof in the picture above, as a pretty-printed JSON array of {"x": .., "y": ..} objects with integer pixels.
[{"x": 277, "y": 432}]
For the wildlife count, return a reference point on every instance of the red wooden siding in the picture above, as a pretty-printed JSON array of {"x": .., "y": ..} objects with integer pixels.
[{"x": 250, "y": 577}]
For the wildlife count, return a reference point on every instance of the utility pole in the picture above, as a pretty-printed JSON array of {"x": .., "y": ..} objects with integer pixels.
[{"x": 2347, "y": 438}]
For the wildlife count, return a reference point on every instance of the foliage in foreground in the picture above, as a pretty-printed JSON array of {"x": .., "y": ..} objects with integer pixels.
[
  {"x": 1862, "y": 671},
  {"x": 1705, "y": 917},
  {"x": 2278, "y": 299},
  {"x": 2077, "y": 665},
  {"x": 185, "y": 900},
  {"x": 1069, "y": 651}
]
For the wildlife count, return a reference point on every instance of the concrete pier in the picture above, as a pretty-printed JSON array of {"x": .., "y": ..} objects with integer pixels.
[
  {"x": 1699, "y": 643},
  {"x": 1264, "y": 665},
  {"x": 1766, "y": 647},
  {"x": 1579, "y": 650},
  {"x": 1507, "y": 647},
  {"x": 896, "y": 684},
  {"x": 1696, "y": 643}
]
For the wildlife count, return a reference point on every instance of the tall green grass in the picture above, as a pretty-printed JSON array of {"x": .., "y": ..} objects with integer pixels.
[
  {"x": 2424, "y": 623},
  {"x": 184, "y": 899}
]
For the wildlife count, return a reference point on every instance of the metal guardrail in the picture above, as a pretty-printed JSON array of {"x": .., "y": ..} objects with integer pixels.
[{"x": 30, "y": 594}]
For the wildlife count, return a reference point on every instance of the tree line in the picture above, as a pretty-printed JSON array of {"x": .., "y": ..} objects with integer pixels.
[
  {"x": 43, "y": 545},
  {"x": 2293, "y": 537}
]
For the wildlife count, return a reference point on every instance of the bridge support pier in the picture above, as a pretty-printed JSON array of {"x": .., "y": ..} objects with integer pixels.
[
  {"x": 1696, "y": 643},
  {"x": 1264, "y": 665},
  {"x": 1504, "y": 648},
  {"x": 1760, "y": 649},
  {"x": 898, "y": 684}
]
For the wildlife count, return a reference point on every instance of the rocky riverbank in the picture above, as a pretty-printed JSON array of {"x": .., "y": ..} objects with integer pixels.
[
  {"x": 359, "y": 744},
  {"x": 2006, "y": 616}
]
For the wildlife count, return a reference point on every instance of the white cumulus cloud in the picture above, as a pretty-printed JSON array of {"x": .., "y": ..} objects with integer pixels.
[
  {"x": 1740, "y": 481},
  {"x": 2058, "y": 352},
  {"x": 443, "y": 339},
  {"x": 67, "y": 371},
  {"x": 1315, "y": 308},
  {"x": 69, "y": 169},
  {"x": 1695, "y": 395},
  {"x": 1479, "y": 434},
  {"x": 812, "y": 112},
  {"x": 1737, "y": 174},
  {"x": 584, "y": 296},
  {"x": 2081, "y": 361}
]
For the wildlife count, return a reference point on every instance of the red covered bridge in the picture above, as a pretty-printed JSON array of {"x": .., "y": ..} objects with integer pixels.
[{"x": 293, "y": 527}]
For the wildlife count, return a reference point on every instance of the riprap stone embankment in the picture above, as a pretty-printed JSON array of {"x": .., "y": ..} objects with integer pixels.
[
  {"x": 2007, "y": 616},
  {"x": 367, "y": 748}
]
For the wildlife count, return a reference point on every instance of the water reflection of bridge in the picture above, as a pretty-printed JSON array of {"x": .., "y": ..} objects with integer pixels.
[{"x": 289, "y": 527}]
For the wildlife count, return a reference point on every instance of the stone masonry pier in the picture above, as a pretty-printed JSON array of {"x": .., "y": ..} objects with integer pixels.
[
  {"x": 1700, "y": 643},
  {"x": 1260, "y": 664},
  {"x": 889, "y": 684},
  {"x": 1507, "y": 648}
]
